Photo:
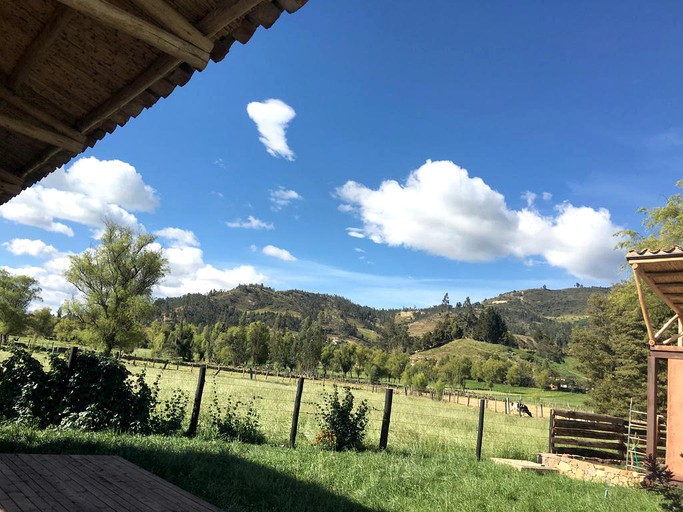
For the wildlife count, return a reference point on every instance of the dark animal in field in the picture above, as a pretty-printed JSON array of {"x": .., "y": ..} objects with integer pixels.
[{"x": 520, "y": 408}]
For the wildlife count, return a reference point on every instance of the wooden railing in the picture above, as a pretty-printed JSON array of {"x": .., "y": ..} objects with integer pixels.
[{"x": 588, "y": 435}]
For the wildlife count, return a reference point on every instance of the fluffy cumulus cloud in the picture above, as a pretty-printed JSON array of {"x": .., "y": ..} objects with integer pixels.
[
  {"x": 87, "y": 192},
  {"x": 188, "y": 273},
  {"x": 442, "y": 210},
  {"x": 24, "y": 246},
  {"x": 276, "y": 252},
  {"x": 251, "y": 223},
  {"x": 272, "y": 117},
  {"x": 282, "y": 197}
]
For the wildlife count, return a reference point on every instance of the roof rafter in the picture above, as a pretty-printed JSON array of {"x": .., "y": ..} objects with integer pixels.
[
  {"x": 40, "y": 46},
  {"x": 124, "y": 21},
  {"x": 42, "y": 134},
  {"x": 175, "y": 22}
]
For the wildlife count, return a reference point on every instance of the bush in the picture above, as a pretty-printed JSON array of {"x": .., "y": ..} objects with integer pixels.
[
  {"x": 98, "y": 395},
  {"x": 341, "y": 428},
  {"x": 235, "y": 424}
]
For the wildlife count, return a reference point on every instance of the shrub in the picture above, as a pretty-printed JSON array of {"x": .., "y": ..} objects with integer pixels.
[
  {"x": 658, "y": 480},
  {"x": 235, "y": 424},
  {"x": 341, "y": 427},
  {"x": 98, "y": 395}
]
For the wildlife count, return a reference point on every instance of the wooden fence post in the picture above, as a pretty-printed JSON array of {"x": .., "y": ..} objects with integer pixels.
[
  {"x": 384, "y": 434},
  {"x": 295, "y": 415},
  {"x": 480, "y": 429},
  {"x": 71, "y": 362},
  {"x": 468, "y": 399},
  {"x": 550, "y": 432},
  {"x": 541, "y": 407},
  {"x": 194, "y": 419},
  {"x": 507, "y": 405}
]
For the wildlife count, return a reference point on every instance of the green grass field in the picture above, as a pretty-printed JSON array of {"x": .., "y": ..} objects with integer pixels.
[{"x": 430, "y": 463}]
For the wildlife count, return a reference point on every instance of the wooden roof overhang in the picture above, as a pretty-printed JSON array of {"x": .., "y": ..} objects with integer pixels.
[
  {"x": 72, "y": 71},
  {"x": 662, "y": 271}
]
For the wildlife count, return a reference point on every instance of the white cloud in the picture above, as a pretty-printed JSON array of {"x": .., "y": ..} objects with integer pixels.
[
  {"x": 178, "y": 237},
  {"x": 529, "y": 197},
  {"x": 251, "y": 223},
  {"x": 282, "y": 197},
  {"x": 24, "y": 246},
  {"x": 547, "y": 196},
  {"x": 87, "y": 192},
  {"x": 441, "y": 210},
  {"x": 272, "y": 117},
  {"x": 276, "y": 252},
  {"x": 190, "y": 274}
]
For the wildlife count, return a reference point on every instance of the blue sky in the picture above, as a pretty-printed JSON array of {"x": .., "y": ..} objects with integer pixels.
[{"x": 390, "y": 154}]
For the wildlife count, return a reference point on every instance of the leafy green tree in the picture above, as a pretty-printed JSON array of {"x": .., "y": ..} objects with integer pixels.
[
  {"x": 520, "y": 373},
  {"x": 397, "y": 362},
  {"x": 43, "y": 323},
  {"x": 344, "y": 357},
  {"x": 16, "y": 294},
  {"x": 494, "y": 371},
  {"x": 491, "y": 327},
  {"x": 258, "y": 337},
  {"x": 116, "y": 280},
  {"x": 612, "y": 351}
]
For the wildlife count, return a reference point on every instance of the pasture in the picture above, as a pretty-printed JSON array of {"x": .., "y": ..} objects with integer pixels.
[{"x": 429, "y": 464}]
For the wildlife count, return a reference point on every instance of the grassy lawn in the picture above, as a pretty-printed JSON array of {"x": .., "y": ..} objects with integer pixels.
[
  {"x": 239, "y": 477},
  {"x": 429, "y": 465}
]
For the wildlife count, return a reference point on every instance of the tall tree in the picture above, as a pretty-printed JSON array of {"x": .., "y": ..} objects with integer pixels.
[
  {"x": 612, "y": 352},
  {"x": 16, "y": 294},
  {"x": 116, "y": 280}
]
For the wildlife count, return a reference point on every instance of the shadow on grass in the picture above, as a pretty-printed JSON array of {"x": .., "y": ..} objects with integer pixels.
[{"x": 214, "y": 474}]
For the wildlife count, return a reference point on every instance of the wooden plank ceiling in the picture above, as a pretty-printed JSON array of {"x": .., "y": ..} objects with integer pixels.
[{"x": 72, "y": 71}]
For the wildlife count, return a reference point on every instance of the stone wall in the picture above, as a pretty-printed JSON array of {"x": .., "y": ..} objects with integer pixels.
[{"x": 590, "y": 470}]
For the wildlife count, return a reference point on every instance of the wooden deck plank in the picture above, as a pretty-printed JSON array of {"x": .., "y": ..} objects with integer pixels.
[
  {"x": 42, "y": 499},
  {"x": 87, "y": 483},
  {"x": 168, "y": 487}
]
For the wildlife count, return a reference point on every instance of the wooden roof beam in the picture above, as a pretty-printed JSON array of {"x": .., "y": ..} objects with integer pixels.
[
  {"x": 676, "y": 308},
  {"x": 167, "y": 16},
  {"x": 41, "y": 134},
  {"x": 39, "y": 47},
  {"x": 213, "y": 23},
  {"x": 666, "y": 326},
  {"x": 124, "y": 21},
  {"x": 7, "y": 95},
  {"x": 8, "y": 177}
]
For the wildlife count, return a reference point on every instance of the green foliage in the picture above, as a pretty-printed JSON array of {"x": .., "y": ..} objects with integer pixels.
[
  {"x": 116, "y": 280},
  {"x": 658, "y": 480},
  {"x": 491, "y": 327},
  {"x": 16, "y": 294},
  {"x": 341, "y": 428},
  {"x": 98, "y": 395},
  {"x": 238, "y": 422}
]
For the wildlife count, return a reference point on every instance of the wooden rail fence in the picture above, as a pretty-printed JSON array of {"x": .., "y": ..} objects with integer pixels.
[{"x": 587, "y": 434}]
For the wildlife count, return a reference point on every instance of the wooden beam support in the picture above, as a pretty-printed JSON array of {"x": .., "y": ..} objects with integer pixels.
[
  {"x": 666, "y": 326},
  {"x": 40, "y": 46},
  {"x": 655, "y": 288},
  {"x": 124, "y": 21},
  {"x": 175, "y": 22},
  {"x": 213, "y": 23},
  {"x": 8, "y": 177},
  {"x": 40, "y": 162},
  {"x": 42, "y": 134},
  {"x": 16, "y": 101},
  {"x": 222, "y": 16},
  {"x": 651, "y": 443},
  {"x": 643, "y": 304}
]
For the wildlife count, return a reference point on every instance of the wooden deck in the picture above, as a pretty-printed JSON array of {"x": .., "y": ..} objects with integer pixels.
[{"x": 84, "y": 483}]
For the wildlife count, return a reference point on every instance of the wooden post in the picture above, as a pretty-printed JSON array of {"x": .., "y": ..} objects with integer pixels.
[
  {"x": 72, "y": 361},
  {"x": 551, "y": 439},
  {"x": 480, "y": 429},
  {"x": 507, "y": 405},
  {"x": 384, "y": 434},
  {"x": 194, "y": 419},
  {"x": 295, "y": 415},
  {"x": 651, "y": 405},
  {"x": 541, "y": 407},
  {"x": 468, "y": 400}
]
